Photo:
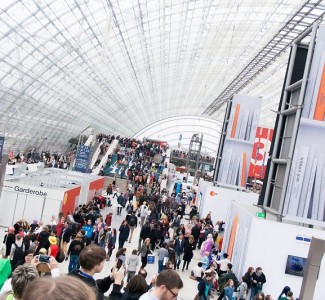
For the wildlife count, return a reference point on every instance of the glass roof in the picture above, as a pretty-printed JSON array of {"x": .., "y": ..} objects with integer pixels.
[
  {"x": 120, "y": 66},
  {"x": 178, "y": 131}
]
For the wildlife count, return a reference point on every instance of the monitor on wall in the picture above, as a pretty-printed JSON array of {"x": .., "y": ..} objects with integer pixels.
[{"x": 295, "y": 265}]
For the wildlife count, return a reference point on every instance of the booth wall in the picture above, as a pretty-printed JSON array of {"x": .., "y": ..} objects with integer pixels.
[
  {"x": 95, "y": 187},
  {"x": 70, "y": 200},
  {"x": 218, "y": 200},
  {"x": 319, "y": 290},
  {"x": 240, "y": 240},
  {"x": 269, "y": 245},
  {"x": 18, "y": 205}
]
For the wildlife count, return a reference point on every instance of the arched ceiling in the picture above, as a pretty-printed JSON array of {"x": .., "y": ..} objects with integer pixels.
[
  {"x": 120, "y": 66},
  {"x": 178, "y": 131}
]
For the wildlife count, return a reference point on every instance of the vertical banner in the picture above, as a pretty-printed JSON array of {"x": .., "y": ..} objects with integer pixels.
[
  {"x": 82, "y": 159},
  {"x": 2, "y": 140},
  {"x": 260, "y": 154}
]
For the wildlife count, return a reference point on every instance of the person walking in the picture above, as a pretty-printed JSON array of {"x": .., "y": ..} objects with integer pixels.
[
  {"x": 189, "y": 247},
  {"x": 111, "y": 241},
  {"x": 74, "y": 250},
  {"x": 144, "y": 251},
  {"x": 143, "y": 213},
  {"x": 132, "y": 263},
  {"x": 204, "y": 287},
  {"x": 124, "y": 234},
  {"x": 162, "y": 256},
  {"x": 179, "y": 250},
  {"x": 258, "y": 281},
  {"x": 144, "y": 233},
  {"x": 229, "y": 290},
  {"x": 133, "y": 222}
]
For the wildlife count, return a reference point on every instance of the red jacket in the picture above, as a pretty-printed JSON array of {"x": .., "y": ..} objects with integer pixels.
[
  {"x": 108, "y": 220},
  {"x": 59, "y": 229}
]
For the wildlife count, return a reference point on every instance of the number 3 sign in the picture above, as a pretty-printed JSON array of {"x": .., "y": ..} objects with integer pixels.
[{"x": 260, "y": 152}]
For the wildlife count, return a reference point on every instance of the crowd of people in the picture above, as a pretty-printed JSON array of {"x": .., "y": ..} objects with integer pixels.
[
  {"x": 183, "y": 155},
  {"x": 87, "y": 239},
  {"x": 170, "y": 234}
]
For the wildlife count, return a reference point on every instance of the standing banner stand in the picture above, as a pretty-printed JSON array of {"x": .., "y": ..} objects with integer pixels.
[{"x": 237, "y": 140}]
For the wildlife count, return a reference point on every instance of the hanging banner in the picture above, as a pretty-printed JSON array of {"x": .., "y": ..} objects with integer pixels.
[
  {"x": 260, "y": 154},
  {"x": 82, "y": 159},
  {"x": 2, "y": 140}
]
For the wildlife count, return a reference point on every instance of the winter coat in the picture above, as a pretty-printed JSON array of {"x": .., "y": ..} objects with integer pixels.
[
  {"x": 188, "y": 251},
  {"x": 131, "y": 296},
  {"x": 132, "y": 262},
  {"x": 145, "y": 231},
  {"x": 124, "y": 233},
  {"x": 100, "y": 286}
]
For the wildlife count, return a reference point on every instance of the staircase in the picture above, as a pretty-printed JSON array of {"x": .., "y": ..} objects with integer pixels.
[
  {"x": 104, "y": 159},
  {"x": 120, "y": 183}
]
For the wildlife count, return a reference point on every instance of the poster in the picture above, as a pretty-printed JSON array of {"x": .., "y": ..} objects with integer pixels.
[
  {"x": 2, "y": 140},
  {"x": 260, "y": 154},
  {"x": 82, "y": 159}
]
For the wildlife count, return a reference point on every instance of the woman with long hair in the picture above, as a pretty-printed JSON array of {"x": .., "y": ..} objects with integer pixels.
[
  {"x": 249, "y": 277},
  {"x": 189, "y": 247},
  {"x": 229, "y": 290},
  {"x": 144, "y": 251},
  {"x": 136, "y": 287}
]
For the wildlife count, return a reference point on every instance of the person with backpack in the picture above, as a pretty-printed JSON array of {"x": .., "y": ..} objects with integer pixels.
[
  {"x": 17, "y": 256},
  {"x": 129, "y": 207},
  {"x": 203, "y": 287},
  {"x": 224, "y": 278},
  {"x": 120, "y": 204},
  {"x": 133, "y": 222},
  {"x": 74, "y": 250}
]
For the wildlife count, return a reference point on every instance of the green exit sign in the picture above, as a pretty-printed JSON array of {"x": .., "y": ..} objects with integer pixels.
[{"x": 260, "y": 215}]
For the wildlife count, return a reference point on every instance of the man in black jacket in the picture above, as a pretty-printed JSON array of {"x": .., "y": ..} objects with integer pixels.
[
  {"x": 195, "y": 231},
  {"x": 133, "y": 222},
  {"x": 144, "y": 233},
  {"x": 92, "y": 260}
]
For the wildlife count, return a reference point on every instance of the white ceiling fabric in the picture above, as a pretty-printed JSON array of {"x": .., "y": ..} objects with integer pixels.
[{"x": 120, "y": 66}]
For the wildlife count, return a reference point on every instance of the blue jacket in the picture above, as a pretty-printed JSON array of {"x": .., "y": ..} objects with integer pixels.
[
  {"x": 179, "y": 246},
  {"x": 88, "y": 230}
]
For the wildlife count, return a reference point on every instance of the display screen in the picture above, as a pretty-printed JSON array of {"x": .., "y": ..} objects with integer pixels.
[{"x": 295, "y": 265}]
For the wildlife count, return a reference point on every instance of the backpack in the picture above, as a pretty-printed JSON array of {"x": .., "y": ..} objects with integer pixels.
[
  {"x": 60, "y": 256},
  {"x": 129, "y": 208},
  {"x": 132, "y": 221},
  {"x": 18, "y": 255}
]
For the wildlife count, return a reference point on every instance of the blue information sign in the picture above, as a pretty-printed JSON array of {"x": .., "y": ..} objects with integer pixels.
[{"x": 82, "y": 159}]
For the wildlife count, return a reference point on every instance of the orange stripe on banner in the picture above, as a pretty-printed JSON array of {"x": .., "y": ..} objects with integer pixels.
[
  {"x": 319, "y": 113},
  {"x": 232, "y": 237},
  {"x": 234, "y": 124},
  {"x": 243, "y": 170}
]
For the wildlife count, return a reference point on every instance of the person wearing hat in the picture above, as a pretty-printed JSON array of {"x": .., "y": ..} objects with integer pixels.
[{"x": 54, "y": 248}]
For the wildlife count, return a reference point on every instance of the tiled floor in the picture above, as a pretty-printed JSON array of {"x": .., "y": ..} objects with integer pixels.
[{"x": 190, "y": 287}]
